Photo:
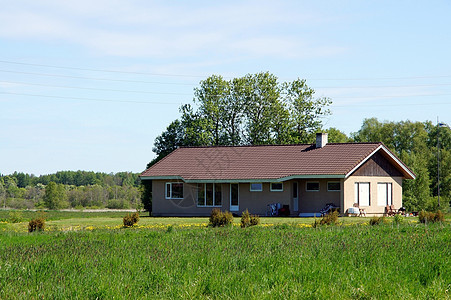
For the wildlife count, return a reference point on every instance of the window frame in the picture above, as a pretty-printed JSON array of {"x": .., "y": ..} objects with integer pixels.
[
  {"x": 306, "y": 186},
  {"x": 170, "y": 196},
  {"x": 252, "y": 190},
  {"x": 329, "y": 190},
  {"x": 357, "y": 200},
  {"x": 204, "y": 188},
  {"x": 275, "y": 190},
  {"x": 388, "y": 193}
]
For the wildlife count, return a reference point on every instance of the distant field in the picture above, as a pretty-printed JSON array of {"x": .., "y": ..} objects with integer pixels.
[{"x": 176, "y": 258}]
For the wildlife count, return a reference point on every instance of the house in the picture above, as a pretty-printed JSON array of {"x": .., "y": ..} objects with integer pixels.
[{"x": 191, "y": 181}]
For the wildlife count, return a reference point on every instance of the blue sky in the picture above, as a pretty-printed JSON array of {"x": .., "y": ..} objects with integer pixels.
[{"x": 88, "y": 85}]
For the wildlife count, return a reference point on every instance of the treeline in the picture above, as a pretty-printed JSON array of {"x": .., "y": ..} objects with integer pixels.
[{"x": 76, "y": 189}]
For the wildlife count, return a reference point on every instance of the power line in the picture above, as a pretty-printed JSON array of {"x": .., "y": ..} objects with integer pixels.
[
  {"x": 94, "y": 89},
  {"x": 94, "y": 78},
  {"x": 88, "y": 99},
  {"x": 178, "y": 103},
  {"x": 99, "y": 70},
  {"x": 185, "y": 94},
  {"x": 202, "y": 76}
]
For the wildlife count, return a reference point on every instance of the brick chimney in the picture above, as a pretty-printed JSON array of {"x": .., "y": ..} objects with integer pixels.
[{"x": 321, "y": 139}]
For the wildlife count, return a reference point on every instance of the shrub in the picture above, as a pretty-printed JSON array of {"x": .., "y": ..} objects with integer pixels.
[
  {"x": 130, "y": 219},
  {"x": 329, "y": 219},
  {"x": 430, "y": 217},
  {"x": 219, "y": 218},
  {"x": 245, "y": 219},
  {"x": 36, "y": 224},
  {"x": 376, "y": 220},
  {"x": 118, "y": 204},
  {"x": 15, "y": 217},
  {"x": 249, "y": 220},
  {"x": 255, "y": 220},
  {"x": 398, "y": 219}
]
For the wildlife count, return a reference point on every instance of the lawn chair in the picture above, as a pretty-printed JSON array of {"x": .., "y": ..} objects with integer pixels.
[
  {"x": 390, "y": 210},
  {"x": 362, "y": 212}
]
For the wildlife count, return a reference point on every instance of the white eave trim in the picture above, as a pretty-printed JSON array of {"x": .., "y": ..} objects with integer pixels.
[
  {"x": 398, "y": 162},
  {"x": 248, "y": 180}
]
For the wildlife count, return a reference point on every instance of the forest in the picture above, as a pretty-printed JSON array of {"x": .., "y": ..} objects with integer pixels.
[{"x": 71, "y": 189}]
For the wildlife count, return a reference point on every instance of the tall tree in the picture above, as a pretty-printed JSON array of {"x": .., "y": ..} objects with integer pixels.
[{"x": 55, "y": 196}]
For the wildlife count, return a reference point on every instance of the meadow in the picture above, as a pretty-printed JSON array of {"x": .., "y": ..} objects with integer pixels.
[{"x": 182, "y": 258}]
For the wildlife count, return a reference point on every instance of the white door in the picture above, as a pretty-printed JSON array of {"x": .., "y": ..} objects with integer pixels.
[
  {"x": 384, "y": 194},
  {"x": 362, "y": 193},
  {"x": 234, "y": 197},
  {"x": 295, "y": 197}
]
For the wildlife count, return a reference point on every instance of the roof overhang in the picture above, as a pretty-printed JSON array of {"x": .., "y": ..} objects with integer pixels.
[
  {"x": 396, "y": 161},
  {"x": 244, "y": 180}
]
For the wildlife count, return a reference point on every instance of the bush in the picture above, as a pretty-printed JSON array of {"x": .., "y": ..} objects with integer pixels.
[
  {"x": 329, "y": 219},
  {"x": 398, "y": 219},
  {"x": 36, "y": 224},
  {"x": 130, "y": 219},
  {"x": 255, "y": 220},
  {"x": 15, "y": 217},
  {"x": 430, "y": 217},
  {"x": 219, "y": 218},
  {"x": 249, "y": 220},
  {"x": 118, "y": 204},
  {"x": 376, "y": 220}
]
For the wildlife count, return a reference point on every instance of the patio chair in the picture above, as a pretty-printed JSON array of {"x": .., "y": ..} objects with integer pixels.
[
  {"x": 362, "y": 212},
  {"x": 390, "y": 210}
]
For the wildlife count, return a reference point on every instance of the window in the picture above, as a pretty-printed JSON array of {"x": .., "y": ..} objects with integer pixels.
[
  {"x": 276, "y": 187},
  {"x": 362, "y": 193},
  {"x": 312, "y": 186},
  {"x": 333, "y": 186},
  {"x": 384, "y": 194},
  {"x": 209, "y": 194},
  {"x": 256, "y": 187},
  {"x": 174, "y": 190}
]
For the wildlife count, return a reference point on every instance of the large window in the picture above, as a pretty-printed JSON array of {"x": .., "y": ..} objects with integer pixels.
[
  {"x": 362, "y": 193},
  {"x": 209, "y": 194},
  {"x": 276, "y": 187},
  {"x": 312, "y": 186},
  {"x": 256, "y": 187},
  {"x": 174, "y": 190},
  {"x": 384, "y": 194}
]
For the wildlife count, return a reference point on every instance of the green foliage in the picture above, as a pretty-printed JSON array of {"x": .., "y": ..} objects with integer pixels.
[
  {"x": 118, "y": 204},
  {"x": 55, "y": 196},
  {"x": 398, "y": 219},
  {"x": 249, "y": 220},
  {"x": 130, "y": 219},
  {"x": 328, "y": 219},
  {"x": 15, "y": 217},
  {"x": 36, "y": 224},
  {"x": 219, "y": 218},
  {"x": 431, "y": 217}
]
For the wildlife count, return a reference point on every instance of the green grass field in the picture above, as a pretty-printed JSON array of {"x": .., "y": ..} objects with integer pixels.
[{"x": 178, "y": 258}]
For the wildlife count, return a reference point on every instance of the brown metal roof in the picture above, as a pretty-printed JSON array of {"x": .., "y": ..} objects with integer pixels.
[{"x": 270, "y": 162}]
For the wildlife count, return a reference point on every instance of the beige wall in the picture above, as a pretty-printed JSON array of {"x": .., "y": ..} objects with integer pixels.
[
  {"x": 373, "y": 209},
  {"x": 255, "y": 202},
  {"x": 314, "y": 201}
]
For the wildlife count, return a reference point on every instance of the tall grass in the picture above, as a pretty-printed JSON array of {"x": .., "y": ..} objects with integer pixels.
[{"x": 259, "y": 262}]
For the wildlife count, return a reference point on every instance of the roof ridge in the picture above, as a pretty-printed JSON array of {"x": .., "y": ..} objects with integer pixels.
[{"x": 277, "y": 145}]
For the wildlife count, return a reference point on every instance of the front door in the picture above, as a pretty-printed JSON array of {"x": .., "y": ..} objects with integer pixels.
[
  {"x": 234, "y": 197},
  {"x": 295, "y": 197}
]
